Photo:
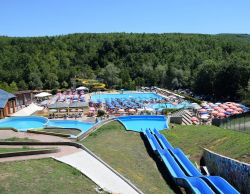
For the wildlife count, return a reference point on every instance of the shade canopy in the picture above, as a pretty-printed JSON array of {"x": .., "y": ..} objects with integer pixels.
[
  {"x": 82, "y": 88},
  {"x": 27, "y": 111},
  {"x": 42, "y": 95}
]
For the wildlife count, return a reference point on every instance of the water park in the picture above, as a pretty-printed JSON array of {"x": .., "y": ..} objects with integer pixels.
[{"x": 64, "y": 124}]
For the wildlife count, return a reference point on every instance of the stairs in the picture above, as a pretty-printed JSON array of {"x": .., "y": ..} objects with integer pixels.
[{"x": 185, "y": 116}]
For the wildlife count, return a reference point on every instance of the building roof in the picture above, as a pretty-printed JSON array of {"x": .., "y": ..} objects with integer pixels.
[{"x": 4, "y": 97}]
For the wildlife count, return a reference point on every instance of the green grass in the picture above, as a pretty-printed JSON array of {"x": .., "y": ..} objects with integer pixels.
[
  {"x": 42, "y": 176},
  {"x": 18, "y": 139},
  {"x": 227, "y": 142},
  {"x": 125, "y": 152},
  {"x": 62, "y": 131},
  {"x": 25, "y": 148}
]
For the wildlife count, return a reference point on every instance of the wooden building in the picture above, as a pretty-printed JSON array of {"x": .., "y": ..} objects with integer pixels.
[{"x": 7, "y": 104}]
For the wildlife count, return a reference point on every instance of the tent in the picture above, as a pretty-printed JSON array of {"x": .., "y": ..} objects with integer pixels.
[
  {"x": 82, "y": 88},
  {"x": 27, "y": 111},
  {"x": 42, "y": 95}
]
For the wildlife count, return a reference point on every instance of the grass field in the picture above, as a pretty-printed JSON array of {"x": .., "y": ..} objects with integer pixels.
[
  {"x": 4, "y": 150},
  {"x": 227, "y": 142},
  {"x": 125, "y": 152},
  {"x": 43, "y": 176}
]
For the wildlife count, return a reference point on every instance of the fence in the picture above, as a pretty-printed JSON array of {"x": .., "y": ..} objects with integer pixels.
[{"x": 239, "y": 122}]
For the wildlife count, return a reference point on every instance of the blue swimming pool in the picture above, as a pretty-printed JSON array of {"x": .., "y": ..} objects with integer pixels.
[
  {"x": 33, "y": 122},
  {"x": 139, "y": 96},
  {"x": 142, "y": 122},
  {"x": 161, "y": 106},
  {"x": 83, "y": 126}
]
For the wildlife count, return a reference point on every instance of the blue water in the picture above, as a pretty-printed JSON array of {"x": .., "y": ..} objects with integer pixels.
[
  {"x": 83, "y": 126},
  {"x": 161, "y": 106},
  {"x": 139, "y": 96},
  {"x": 23, "y": 123},
  {"x": 33, "y": 122},
  {"x": 142, "y": 122}
]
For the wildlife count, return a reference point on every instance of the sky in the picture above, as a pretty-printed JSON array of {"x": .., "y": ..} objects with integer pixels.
[{"x": 58, "y": 17}]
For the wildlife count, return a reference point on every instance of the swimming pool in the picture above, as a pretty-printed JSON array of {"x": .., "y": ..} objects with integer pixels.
[
  {"x": 128, "y": 95},
  {"x": 23, "y": 123},
  {"x": 34, "y": 122},
  {"x": 142, "y": 122},
  {"x": 83, "y": 126},
  {"x": 161, "y": 106}
]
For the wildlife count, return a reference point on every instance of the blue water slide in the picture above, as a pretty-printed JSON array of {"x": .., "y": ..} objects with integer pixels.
[
  {"x": 185, "y": 163},
  {"x": 182, "y": 170},
  {"x": 165, "y": 144},
  {"x": 220, "y": 184},
  {"x": 153, "y": 142},
  {"x": 197, "y": 185},
  {"x": 193, "y": 183}
]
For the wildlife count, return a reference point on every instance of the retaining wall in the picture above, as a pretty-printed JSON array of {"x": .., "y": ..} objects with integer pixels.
[{"x": 235, "y": 172}]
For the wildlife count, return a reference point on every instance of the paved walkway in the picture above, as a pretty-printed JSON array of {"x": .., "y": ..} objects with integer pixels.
[
  {"x": 97, "y": 172},
  {"x": 4, "y": 134}
]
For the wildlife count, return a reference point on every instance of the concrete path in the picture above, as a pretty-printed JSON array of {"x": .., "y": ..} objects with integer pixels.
[
  {"x": 4, "y": 134},
  {"x": 97, "y": 172}
]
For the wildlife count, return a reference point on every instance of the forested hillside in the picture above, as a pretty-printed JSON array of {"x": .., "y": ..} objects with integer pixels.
[{"x": 217, "y": 65}]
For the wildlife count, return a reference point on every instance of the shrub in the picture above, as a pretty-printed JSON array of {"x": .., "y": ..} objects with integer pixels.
[{"x": 100, "y": 113}]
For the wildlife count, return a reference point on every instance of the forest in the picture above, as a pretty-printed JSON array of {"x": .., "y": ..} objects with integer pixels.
[{"x": 213, "y": 65}]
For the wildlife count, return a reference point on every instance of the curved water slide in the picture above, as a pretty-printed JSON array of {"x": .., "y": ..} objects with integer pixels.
[{"x": 184, "y": 173}]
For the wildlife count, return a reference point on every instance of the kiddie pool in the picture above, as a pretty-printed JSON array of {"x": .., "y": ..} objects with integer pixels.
[{"x": 33, "y": 122}]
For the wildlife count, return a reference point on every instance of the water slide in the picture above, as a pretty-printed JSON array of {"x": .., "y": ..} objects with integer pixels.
[{"x": 182, "y": 170}]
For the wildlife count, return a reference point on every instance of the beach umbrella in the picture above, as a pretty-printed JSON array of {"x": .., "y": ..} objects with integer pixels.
[
  {"x": 194, "y": 119},
  {"x": 202, "y": 110},
  {"x": 131, "y": 110},
  {"x": 235, "y": 112},
  {"x": 52, "y": 110},
  {"x": 221, "y": 110},
  {"x": 150, "y": 109},
  {"x": 205, "y": 116},
  {"x": 214, "y": 112},
  {"x": 218, "y": 103},
  {"x": 221, "y": 114},
  {"x": 121, "y": 110},
  {"x": 92, "y": 108},
  {"x": 63, "y": 110},
  {"x": 216, "y": 108},
  {"x": 229, "y": 110},
  {"x": 239, "y": 109}
]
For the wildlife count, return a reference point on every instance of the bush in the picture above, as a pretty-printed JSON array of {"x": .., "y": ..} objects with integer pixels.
[
  {"x": 189, "y": 98},
  {"x": 100, "y": 113},
  {"x": 53, "y": 91},
  {"x": 166, "y": 111}
]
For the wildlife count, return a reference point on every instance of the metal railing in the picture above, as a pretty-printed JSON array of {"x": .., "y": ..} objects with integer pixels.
[{"x": 239, "y": 122}]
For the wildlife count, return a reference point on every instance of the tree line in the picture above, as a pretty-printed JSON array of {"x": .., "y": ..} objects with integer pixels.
[{"x": 214, "y": 65}]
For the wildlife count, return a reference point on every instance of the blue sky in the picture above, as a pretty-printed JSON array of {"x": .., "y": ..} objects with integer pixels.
[{"x": 57, "y": 17}]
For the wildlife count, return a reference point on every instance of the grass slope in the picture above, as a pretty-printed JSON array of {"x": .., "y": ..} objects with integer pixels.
[
  {"x": 4, "y": 150},
  {"x": 191, "y": 138},
  {"x": 42, "y": 176},
  {"x": 125, "y": 152}
]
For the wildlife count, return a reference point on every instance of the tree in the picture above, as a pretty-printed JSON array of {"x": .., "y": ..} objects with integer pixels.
[{"x": 111, "y": 75}]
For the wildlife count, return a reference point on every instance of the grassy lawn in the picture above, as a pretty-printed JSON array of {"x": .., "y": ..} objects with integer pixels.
[
  {"x": 18, "y": 139},
  {"x": 4, "y": 150},
  {"x": 63, "y": 131},
  {"x": 227, "y": 142},
  {"x": 43, "y": 176},
  {"x": 125, "y": 152}
]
